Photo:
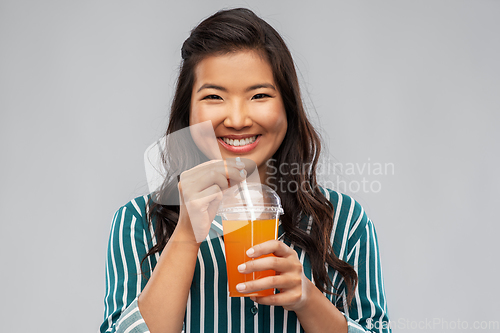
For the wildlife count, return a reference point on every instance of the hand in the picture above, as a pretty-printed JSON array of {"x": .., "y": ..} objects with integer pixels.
[
  {"x": 200, "y": 191},
  {"x": 289, "y": 279}
]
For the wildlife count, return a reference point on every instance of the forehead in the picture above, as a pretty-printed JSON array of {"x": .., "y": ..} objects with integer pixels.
[{"x": 234, "y": 69}]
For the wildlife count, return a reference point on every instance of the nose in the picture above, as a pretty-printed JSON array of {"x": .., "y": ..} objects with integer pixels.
[{"x": 238, "y": 116}]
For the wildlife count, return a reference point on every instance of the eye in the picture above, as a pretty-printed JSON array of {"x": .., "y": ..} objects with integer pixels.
[
  {"x": 260, "y": 96},
  {"x": 212, "y": 97}
]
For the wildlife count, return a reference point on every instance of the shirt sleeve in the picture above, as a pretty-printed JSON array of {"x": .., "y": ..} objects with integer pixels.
[
  {"x": 368, "y": 310},
  {"x": 124, "y": 280}
]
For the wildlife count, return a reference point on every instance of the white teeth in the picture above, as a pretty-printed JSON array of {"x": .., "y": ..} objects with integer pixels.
[{"x": 242, "y": 142}]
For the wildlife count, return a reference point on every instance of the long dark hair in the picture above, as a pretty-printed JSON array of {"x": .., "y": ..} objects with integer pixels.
[{"x": 230, "y": 31}]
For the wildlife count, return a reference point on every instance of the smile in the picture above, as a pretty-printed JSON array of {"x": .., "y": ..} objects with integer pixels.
[
  {"x": 241, "y": 142},
  {"x": 239, "y": 146}
]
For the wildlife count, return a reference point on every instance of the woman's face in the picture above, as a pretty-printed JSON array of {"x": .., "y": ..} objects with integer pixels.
[{"x": 238, "y": 94}]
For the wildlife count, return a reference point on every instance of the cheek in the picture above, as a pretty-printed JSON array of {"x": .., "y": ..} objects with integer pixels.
[
  {"x": 204, "y": 137},
  {"x": 195, "y": 115},
  {"x": 201, "y": 113},
  {"x": 198, "y": 113},
  {"x": 279, "y": 122}
]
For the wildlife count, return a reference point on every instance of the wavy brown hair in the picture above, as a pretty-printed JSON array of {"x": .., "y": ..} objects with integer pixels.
[{"x": 230, "y": 31}]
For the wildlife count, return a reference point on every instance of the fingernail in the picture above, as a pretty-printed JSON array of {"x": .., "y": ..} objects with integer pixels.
[
  {"x": 242, "y": 267},
  {"x": 250, "y": 251},
  {"x": 239, "y": 163},
  {"x": 243, "y": 173},
  {"x": 241, "y": 287}
]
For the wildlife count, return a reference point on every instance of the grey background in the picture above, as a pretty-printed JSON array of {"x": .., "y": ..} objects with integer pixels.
[{"x": 85, "y": 87}]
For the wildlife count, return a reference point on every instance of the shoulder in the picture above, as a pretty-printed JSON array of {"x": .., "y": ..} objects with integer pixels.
[
  {"x": 135, "y": 209},
  {"x": 138, "y": 206},
  {"x": 350, "y": 220},
  {"x": 345, "y": 208}
]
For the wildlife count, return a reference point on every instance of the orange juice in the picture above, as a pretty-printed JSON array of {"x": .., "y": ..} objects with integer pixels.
[{"x": 239, "y": 236}]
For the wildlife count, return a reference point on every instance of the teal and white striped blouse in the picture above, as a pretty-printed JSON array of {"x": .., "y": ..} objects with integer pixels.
[{"x": 209, "y": 308}]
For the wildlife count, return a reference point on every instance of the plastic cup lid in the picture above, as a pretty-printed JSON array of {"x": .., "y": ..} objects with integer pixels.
[{"x": 256, "y": 197}]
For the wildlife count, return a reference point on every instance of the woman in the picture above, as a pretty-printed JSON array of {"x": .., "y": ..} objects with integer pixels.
[{"x": 238, "y": 73}]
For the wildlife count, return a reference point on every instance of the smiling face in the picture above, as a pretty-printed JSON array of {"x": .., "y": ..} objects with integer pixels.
[{"x": 237, "y": 92}]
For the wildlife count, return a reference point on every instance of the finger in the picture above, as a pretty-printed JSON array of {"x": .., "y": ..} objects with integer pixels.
[
  {"x": 194, "y": 184},
  {"x": 198, "y": 179},
  {"x": 229, "y": 169},
  {"x": 282, "y": 299},
  {"x": 249, "y": 165},
  {"x": 235, "y": 171},
  {"x": 269, "y": 282},
  {"x": 236, "y": 163},
  {"x": 235, "y": 175},
  {"x": 208, "y": 195},
  {"x": 275, "y": 247},
  {"x": 277, "y": 264},
  {"x": 201, "y": 212}
]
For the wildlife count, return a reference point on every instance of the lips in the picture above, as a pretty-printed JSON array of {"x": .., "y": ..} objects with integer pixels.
[
  {"x": 239, "y": 145},
  {"x": 240, "y": 142}
]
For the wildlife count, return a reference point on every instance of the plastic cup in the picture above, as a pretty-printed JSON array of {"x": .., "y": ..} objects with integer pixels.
[{"x": 250, "y": 214}]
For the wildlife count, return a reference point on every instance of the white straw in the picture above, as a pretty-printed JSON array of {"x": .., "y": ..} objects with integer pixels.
[
  {"x": 243, "y": 187},
  {"x": 246, "y": 195}
]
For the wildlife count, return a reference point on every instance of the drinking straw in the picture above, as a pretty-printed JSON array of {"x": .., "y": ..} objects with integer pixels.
[{"x": 243, "y": 188}]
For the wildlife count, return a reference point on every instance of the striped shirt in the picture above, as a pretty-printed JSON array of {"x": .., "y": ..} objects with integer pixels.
[{"x": 209, "y": 308}]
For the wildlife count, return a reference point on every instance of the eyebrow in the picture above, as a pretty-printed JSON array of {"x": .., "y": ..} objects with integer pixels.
[
  {"x": 254, "y": 87},
  {"x": 262, "y": 85},
  {"x": 211, "y": 86}
]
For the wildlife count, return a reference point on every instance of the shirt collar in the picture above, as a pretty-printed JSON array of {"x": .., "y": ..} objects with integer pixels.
[{"x": 217, "y": 225}]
